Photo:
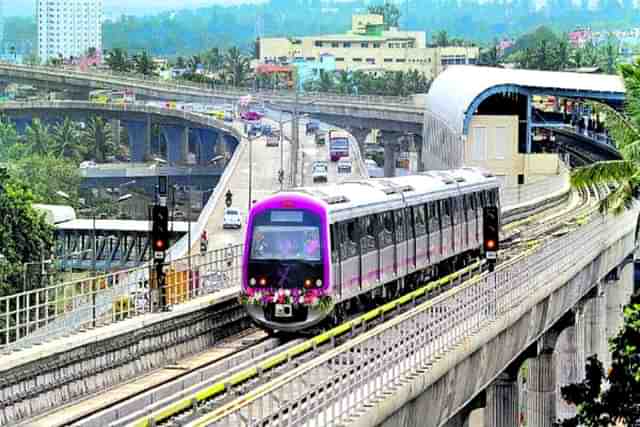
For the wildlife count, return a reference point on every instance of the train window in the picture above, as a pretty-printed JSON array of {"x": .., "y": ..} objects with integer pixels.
[
  {"x": 408, "y": 216},
  {"x": 483, "y": 199},
  {"x": 349, "y": 237},
  {"x": 401, "y": 235},
  {"x": 445, "y": 212},
  {"x": 368, "y": 236},
  {"x": 419, "y": 220},
  {"x": 335, "y": 256},
  {"x": 386, "y": 232},
  {"x": 434, "y": 217},
  {"x": 496, "y": 197},
  {"x": 456, "y": 208},
  {"x": 470, "y": 207}
]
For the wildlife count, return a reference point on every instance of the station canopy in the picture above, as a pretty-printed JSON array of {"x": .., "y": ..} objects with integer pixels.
[{"x": 456, "y": 93}]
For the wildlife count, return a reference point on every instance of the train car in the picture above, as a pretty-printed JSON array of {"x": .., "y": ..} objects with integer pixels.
[
  {"x": 338, "y": 145},
  {"x": 316, "y": 252}
]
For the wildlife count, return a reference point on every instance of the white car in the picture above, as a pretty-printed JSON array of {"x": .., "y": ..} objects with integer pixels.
[
  {"x": 88, "y": 164},
  {"x": 344, "y": 165},
  {"x": 319, "y": 172},
  {"x": 232, "y": 218}
]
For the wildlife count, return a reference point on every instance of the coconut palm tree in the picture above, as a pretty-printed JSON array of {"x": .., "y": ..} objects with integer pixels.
[
  {"x": 625, "y": 130},
  {"x": 98, "y": 138},
  {"x": 38, "y": 138},
  {"x": 66, "y": 140},
  {"x": 236, "y": 65},
  {"x": 118, "y": 60},
  {"x": 143, "y": 63}
]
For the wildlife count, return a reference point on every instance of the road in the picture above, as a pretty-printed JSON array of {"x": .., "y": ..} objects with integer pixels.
[{"x": 266, "y": 163}]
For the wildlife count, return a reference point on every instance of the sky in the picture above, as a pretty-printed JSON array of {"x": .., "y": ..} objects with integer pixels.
[{"x": 132, "y": 7}]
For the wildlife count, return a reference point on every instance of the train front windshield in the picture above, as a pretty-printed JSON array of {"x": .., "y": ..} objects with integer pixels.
[
  {"x": 286, "y": 235},
  {"x": 286, "y": 249}
]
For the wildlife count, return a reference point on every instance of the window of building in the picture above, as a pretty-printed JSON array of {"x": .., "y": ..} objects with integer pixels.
[
  {"x": 311, "y": 58},
  {"x": 317, "y": 44},
  {"x": 400, "y": 60},
  {"x": 364, "y": 44},
  {"x": 335, "y": 44},
  {"x": 357, "y": 59},
  {"x": 346, "y": 44},
  {"x": 388, "y": 59},
  {"x": 376, "y": 45},
  {"x": 371, "y": 60},
  {"x": 479, "y": 146},
  {"x": 501, "y": 142},
  {"x": 339, "y": 59}
]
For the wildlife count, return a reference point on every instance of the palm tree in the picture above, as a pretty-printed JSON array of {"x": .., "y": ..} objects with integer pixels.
[
  {"x": 143, "y": 63},
  {"x": 442, "y": 38},
  {"x": 236, "y": 65},
  {"x": 578, "y": 58},
  {"x": 625, "y": 130},
  {"x": 326, "y": 82},
  {"x": 562, "y": 55},
  {"x": 66, "y": 140},
  {"x": 98, "y": 138},
  {"x": 118, "y": 60},
  {"x": 38, "y": 138},
  {"x": 214, "y": 59}
]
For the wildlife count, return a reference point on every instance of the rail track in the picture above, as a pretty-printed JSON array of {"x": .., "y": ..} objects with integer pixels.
[
  {"x": 177, "y": 395},
  {"x": 203, "y": 408}
]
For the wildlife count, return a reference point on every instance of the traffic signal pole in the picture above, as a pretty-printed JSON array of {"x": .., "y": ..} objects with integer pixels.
[{"x": 160, "y": 244}]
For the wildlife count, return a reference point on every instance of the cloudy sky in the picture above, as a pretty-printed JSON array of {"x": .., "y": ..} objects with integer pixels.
[{"x": 27, "y": 7}]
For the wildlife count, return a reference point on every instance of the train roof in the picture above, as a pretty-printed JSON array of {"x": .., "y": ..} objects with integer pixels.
[{"x": 362, "y": 197}]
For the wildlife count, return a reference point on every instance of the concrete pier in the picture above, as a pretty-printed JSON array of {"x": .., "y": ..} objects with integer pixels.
[{"x": 502, "y": 405}]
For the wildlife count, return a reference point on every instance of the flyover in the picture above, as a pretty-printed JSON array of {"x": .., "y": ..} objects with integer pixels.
[{"x": 184, "y": 132}]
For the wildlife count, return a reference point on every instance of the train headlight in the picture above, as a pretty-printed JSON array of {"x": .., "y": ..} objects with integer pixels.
[
  {"x": 318, "y": 283},
  {"x": 252, "y": 282},
  {"x": 307, "y": 283},
  {"x": 263, "y": 282}
]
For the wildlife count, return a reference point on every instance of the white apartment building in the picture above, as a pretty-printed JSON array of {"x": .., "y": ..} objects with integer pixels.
[{"x": 68, "y": 27}]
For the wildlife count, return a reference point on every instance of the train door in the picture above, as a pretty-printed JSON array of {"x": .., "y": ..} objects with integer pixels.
[
  {"x": 335, "y": 261},
  {"x": 349, "y": 257},
  {"x": 369, "y": 258},
  {"x": 435, "y": 235},
  {"x": 387, "y": 247},
  {"x": 446, "y": 228},
  {"x": 421, "y": 237},
  {"x": 401, "y": 243}
]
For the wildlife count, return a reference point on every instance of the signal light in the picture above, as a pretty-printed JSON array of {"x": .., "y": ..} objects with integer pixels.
[
  {"x": 263, "y": 282},
  {"x": 160, "y": 228},
  {"x": 307, "y": 283},
  {"x": 491, "y": 228}
]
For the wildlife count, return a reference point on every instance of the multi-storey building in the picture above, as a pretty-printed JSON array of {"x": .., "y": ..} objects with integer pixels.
[
  {"x": 68, "y": 27},
  {"x": 369, "y": 47}
]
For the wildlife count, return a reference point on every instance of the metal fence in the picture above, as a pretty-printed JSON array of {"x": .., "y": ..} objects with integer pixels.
[
  {"x": 35, "y": 316},
  {"x": 335, "y": 385}
]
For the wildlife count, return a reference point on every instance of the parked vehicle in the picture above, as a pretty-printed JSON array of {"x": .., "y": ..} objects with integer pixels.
[
  {"x": 251, "y": 115},
  {"x": 320, "y": 172},
  {"x": 272, "y": 141}
]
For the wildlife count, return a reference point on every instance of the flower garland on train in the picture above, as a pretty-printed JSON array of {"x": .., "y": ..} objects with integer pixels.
[{"x": 309, "y": 297}]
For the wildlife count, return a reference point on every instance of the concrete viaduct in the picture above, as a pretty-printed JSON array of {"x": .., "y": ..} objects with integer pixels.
[{"x": 183, "y": 132}]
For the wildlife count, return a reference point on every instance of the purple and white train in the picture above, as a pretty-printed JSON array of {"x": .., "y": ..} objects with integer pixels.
[{"x": 315, "y": 252}]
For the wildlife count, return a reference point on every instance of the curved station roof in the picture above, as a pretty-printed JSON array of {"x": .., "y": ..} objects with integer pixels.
[{"x": 460, "y": 89}]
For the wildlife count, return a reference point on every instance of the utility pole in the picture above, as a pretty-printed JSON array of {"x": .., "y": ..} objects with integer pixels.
[{"x": 296, "y": 141}]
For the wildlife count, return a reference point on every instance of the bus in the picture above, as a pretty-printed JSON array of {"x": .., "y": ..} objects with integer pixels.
[
  {"x": 338, "y": 145},
  {"x": 112, "y": 96}
]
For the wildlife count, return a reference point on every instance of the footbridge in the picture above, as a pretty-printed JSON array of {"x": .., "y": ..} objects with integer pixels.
[{"x": 184, "y": 132}]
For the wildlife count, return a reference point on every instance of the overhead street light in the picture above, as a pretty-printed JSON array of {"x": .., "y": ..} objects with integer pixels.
[{"x": 125, "y": 198}]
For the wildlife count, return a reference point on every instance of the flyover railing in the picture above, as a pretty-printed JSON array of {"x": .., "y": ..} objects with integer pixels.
[
  {"x": 38, "y": 315},
  {"x": 222, "y": 91},
  {"x": 330, "y": 389}
]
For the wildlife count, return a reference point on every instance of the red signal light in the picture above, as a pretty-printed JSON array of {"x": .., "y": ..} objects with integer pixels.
[
  {"x": 159, "y": 245},
  {"x": 491, "y": 244}
]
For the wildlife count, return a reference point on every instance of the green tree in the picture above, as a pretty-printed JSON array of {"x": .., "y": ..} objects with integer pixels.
[
  {"x": 389, "y": 11},
  {"x": 619, "y": 402},
  {"x": 441, "y": 38},
  {"x": 67, "y": 140},
  {"x": 625, "y": 130},
  {"x": 180, "y": 62},
  {"x": 143, "y": 63},
  {"x": 118, "y": 60},
  {"x": 562, "y": 55},
  {"x": 38, "y": 138},
  {"x": 92, "y": 52},
  {"x": 490, "y": 55},
  {"x": 345, "y": 85},
  {"x": 45, "y": 175},
  {"x": 23, "y": 231},
  {"x": 236, "y": 65},
  {"x": 97, "y": 138},
  {"x": 214, "y": 59}
]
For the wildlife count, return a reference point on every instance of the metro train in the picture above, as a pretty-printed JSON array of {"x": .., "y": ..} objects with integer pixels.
[{"x": 314, "y": 253}]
